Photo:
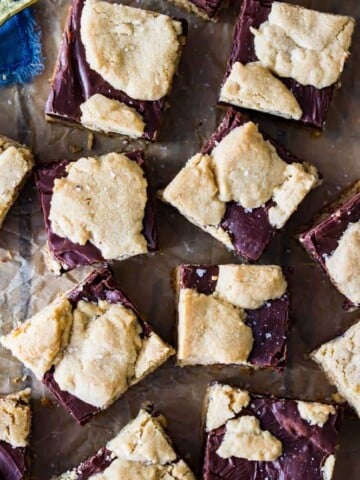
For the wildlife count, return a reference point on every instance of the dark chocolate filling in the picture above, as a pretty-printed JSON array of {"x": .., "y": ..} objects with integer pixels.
[
  {"x": 249, "y": 229},
  {"x": 210, "y": 7},
  {"x": 322, "y": 239},
  {"x": 69, "y": 254},
  {"x": 81, "y": 411},
  {"x": 75, "y": 82},
  {"x": 269, "y": 323},
  {"x": 96, "y": 464},
  {"x": 99, "y": 285},
  {"x": 12, "y": 462},
  {"x": 202, "y": 278},
  {"x": 305, "y": 447},
  {"x": 314, "y": 102}
]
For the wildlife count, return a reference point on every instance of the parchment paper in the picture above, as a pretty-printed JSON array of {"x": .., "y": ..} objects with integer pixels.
[{"x": 26, "y": 286}]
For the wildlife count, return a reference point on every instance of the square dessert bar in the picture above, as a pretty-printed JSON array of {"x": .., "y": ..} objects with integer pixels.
[
  {"x": 339, "y": 358},
  {"x": 242, "y": 187},
  {"x": 286, "y": 60},
  {"x": 15, "y": 424},
  {"x": 115, "y": 68},
  {"x": 141, "y": 450},
  {"x": 16, "y": 163},
  {"x": 88, "y": 346},
  {"x": 334, "y": 242},
  {"x": 232, "y": 314},
  {"x": 205, "y": 9},
  {"x": 96, "y": 209},
  {"x": 249, "y": 436}
]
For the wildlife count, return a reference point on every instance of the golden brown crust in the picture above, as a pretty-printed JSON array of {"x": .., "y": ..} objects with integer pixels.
[
  {"x": 15, "y": 418},
  {"x": 16, "y": 163}
]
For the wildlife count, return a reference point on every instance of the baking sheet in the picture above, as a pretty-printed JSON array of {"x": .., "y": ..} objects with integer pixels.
[{"x": 26, "y": 286}]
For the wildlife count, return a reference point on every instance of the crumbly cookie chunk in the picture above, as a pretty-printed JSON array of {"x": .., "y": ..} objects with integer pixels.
[
  {"x": 106, "y": 338},
  {"x": 211, "y": 330},
  {"x": 224, "y": 402},
  {"x": 343, "y": 265},
  {"x": 299, "y": 180},
  {"x": 315, "y": 413},
  {"x": 328, "y": 468},
  {"x": 143, "y": 440},
  {"x": 106, "y": 332},
  {"x": 247, "y": 167},
  {"x": 205, "y": 209},
  {"x": 340, "y": 360},
  {"x": 250, "y": 286},
  {"x": 107, "y": 115},
  {"x": 244, "y": 438},
  {"x": 306, "y": 45},
  {"x": 39, "y": 341},
  {"x": 102, "y": 200},
  {"x": 16, "y": 162},
  {"x": 134, "y": 50},
  {"x": 15, "y": 418},
  {"x": 197, "y": 176},
  {"x": 9, "y": 8},
  {"x": 254, "y": 86},
  {"x": 154, "y": 351}
]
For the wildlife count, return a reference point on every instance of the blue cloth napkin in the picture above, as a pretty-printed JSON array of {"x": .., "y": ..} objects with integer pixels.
[{"x": 20, "y": 49}]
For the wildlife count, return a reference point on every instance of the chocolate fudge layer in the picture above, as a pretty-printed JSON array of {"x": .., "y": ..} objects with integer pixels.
[
  {"x": 74, "y": 83},
  {"x": 333, "y": 242},
  {"x": 312, "y": 102},
  {"x": 140, "y": 450},
  {"x": 267, "y": 317},
  {"x": 252, "y": 437},
  {"x": 230, "y": 190},
  {"x": 94, "y": 465},
  {"x": 68, "y": 254},
  {"x": 15, "y": 422},
  {"x": 12, "y": 462},
  {"x": 101, "y": 346}
]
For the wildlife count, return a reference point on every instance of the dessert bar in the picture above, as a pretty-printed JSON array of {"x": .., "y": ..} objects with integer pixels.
[
  {"x": 15, "y": 424},
  {"x": 286, "y": 60},
  {"x": 88, "y": 346},
  {"x": 141, "y": 450},
  {"x": 115, "y": 68},
  {"x": 232, "y": 314},
  {"x": 334, "y": 243},
  {"x": 16, "y": 162},
  {"x": 96, "y": 209},
  {"x": 242, "y": 187},
  {"x": 255, "y": 437}
]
